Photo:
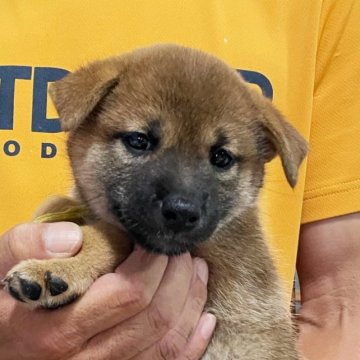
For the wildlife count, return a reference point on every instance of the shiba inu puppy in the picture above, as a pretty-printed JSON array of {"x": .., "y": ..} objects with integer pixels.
[{"x": 169, "y": 144}]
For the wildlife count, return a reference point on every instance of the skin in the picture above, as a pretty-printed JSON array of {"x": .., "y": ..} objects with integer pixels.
[
  {"x": 154, "y": 312},
  {"x": 329, "y": 272}
]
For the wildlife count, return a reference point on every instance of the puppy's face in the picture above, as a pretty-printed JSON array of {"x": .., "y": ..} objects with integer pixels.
[{"x": 169, "y": 143}]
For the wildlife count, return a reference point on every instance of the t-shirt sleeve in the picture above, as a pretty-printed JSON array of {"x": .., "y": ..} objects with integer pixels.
[{"x": 333, "y": 169}]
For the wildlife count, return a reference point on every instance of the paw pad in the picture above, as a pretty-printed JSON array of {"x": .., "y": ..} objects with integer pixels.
[
  {"x": 55, "y": 285},
  {"x": 30, "y": 289}
]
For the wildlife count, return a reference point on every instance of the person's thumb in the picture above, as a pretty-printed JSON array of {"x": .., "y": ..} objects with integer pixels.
[{"x": 38, "y": 241}]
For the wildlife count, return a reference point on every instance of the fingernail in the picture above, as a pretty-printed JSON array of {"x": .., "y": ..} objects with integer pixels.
[
  {"x": 62, "y": 237},
  {"x": 207, "y": 326},
  {"x": 202, "y": 270}
]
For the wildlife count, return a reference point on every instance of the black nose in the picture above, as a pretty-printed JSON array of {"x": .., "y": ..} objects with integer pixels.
[{"x": 179, "y": 213}]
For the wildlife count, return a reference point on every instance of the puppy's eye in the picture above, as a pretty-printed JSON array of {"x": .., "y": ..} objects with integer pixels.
[
  {"x": 138, "y": 141},
  {"x": 221, "y": 158}
]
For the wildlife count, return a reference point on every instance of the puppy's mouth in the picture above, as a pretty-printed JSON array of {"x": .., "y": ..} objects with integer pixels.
[{"x": 144, "y": 232}]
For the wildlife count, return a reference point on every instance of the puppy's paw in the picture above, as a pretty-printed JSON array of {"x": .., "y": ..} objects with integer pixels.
[{"x": 45, "y": 283}]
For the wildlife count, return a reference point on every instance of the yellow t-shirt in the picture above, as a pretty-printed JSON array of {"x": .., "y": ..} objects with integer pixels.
[{"x": 305, "y": 55}]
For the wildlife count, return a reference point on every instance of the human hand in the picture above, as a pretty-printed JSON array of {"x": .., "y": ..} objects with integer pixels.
[{"x": 150, "y": 308}]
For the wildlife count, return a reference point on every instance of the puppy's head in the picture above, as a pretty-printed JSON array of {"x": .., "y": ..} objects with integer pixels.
[{"x": 170, "y": 143}]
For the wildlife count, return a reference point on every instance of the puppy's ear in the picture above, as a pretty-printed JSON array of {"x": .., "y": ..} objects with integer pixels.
[
  {"x": 77, "y": 94},
  {"x": 280, "y": 138}
]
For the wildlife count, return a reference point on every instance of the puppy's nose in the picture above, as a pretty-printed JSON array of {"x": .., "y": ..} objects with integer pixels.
[{"x": 179, "y": 213}]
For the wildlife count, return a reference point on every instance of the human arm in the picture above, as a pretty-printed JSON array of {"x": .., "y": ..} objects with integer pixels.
[{"x": 329, "y": 271}]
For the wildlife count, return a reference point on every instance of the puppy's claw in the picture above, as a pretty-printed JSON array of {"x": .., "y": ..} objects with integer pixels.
[{"x": 3, "y": 282}]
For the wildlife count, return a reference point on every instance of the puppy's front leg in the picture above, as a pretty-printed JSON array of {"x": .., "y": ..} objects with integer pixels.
[{"x": 56, "y": 282}]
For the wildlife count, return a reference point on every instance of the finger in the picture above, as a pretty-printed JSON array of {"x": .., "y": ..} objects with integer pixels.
[
  {"x": 200, "y": 339},
  {"x": 38, "y": 241},
  {"x": 173, "y": 343},
  {"x": 141, "y": 331},
  {"x": 118, "y": 296}
]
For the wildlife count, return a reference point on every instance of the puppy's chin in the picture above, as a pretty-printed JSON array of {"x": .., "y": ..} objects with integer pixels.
[{"x": 162, "y": 244}]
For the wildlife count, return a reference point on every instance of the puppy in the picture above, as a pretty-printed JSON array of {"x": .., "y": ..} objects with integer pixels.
[{"x": 169, "y": 144}]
